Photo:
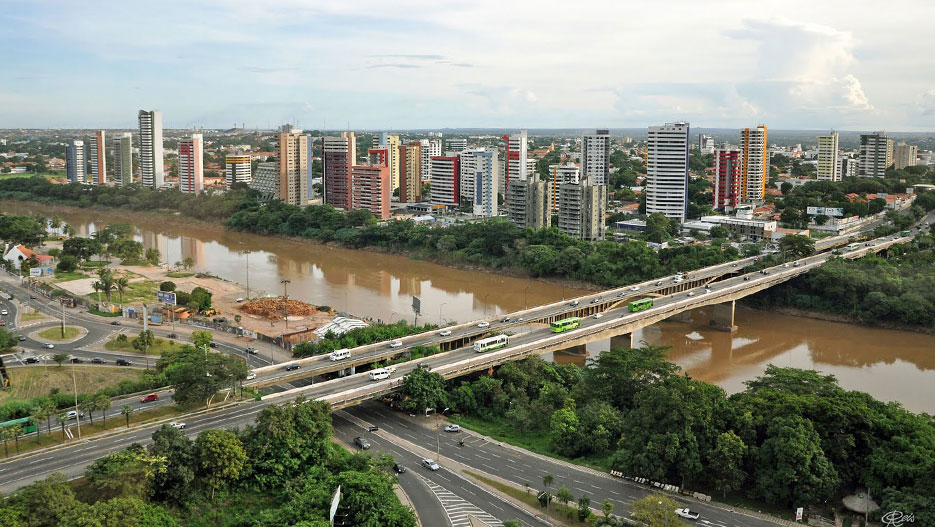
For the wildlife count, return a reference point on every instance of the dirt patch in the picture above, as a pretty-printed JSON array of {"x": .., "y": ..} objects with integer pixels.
[{"x": 277, "y": 308}]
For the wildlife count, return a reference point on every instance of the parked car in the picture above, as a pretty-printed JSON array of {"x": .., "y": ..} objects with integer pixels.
[
  {"x": 21, "y": 338},
  {"x": 453, "y": 428},
  {"x": 4, "y": 312},
  {"x": 98, "y": 360},
  {"x": 292, "y": 366},
  {"x": 430, "y": 464},
  {"x": 444, "y": 332},
  {"x": 49, "y": 345},
  {"x": 687, "y": 513},
  {"x": 362, "y": 443},
  {"x": 483, "y": 324},
  {"x": 239, "y": 300},
  {"x": 178, "y": 425},
  {"x": 31, "y": 360},
  {"x": 76, "y": 360},
  {"x": 148, "y": 398},
  {"x": 124, "y": 362},
  {"x": 399, "y": 468},
  {"x": 115, "y": 323}
]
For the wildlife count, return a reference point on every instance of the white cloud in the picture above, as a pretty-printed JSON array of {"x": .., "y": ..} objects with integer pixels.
[{"x": 926, "y": 104}]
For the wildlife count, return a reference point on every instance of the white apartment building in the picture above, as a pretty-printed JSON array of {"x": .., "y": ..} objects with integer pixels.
[
  {"x": 430, "y": 147},
  {"x": 558, "y": 176},
  {"x": 97, "y": 154},
  {"x": 484, "y": 182},
  {"x": 75, "y": 163},
  {"x": 666, "y": 184},
  {"x": 456, "y": 144},
  {"x": 152, "y": 173},
  {"x": 829, "y": 168},
  {"x": 754, "y": 164},
  {"x": 237, "y": 169},
  {"x": 595, "y": 157},
  {"x": 445, "y": 179},
  {"x": 905, "y": 155},
  {"x": 122, "y": 154},
  {"x": 705, "y": 144},
  {"x": 391, "y": 144}
]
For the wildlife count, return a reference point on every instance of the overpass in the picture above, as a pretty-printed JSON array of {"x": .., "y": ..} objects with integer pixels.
[{"x": 604, "y": 315}]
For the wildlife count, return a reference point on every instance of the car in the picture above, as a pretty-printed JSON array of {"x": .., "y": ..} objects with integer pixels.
[
  {"x": 505, "y": 319},
  {"x": 98, "y": 360},
  {"x": 658, "y": 282},
  {"x": 424, "y": 366},
  {"x": 598, "y": 315},
  {"x": 621, "y": 295},
  {"x": 733, "y": 265},
  {"x": 251, "y": 375},
  {"x": 483, "y": 324},
  {"x": 430, "y": 464},
  {"x": 707, "y": 290},
  {"x": 453, "y": 428},
  {"x": 785, "y": 264},
  {"x": 177, "y": 425},
  {"x": 123, "y": 362},
  {"x": 573, "y": 303},
  {"x": 172, "y": 335},
  {"x": 2, "y": 322},
  {"x": 252, "y": 351},
  {"x": 4, "y": 312},
  {"x": 239, "y": 299},
  {"x": 691, "y": 293},
  {"x": 396, "y": 344},
  {"x": 444, "y": 333},
  {"x": 596, "y": 300},
  {"x": 746, "y": 278},
  {"x": 292, "y": 366},
  {"x": 213, "y": 344},
  {"x": 399, "y": 468},
  {"x": 31, "y": 360},
  {"x": 73, "y": 414},
  {"x": 757, "y": 259},
  {"x": 21, "y": 338},
  {"x": 49, "y": 345},
  {"x": 115, "y": 323},
  {"x": 520, "y": 319},
  {"x": 795, "y": 264},
  {"x": 32, "y": 297},
  {"x": 635, "y": 288},
  {"x": 149, "y": 397},
  {"x": 362, "y": 443},
  {"x": 687, "y": 513},
  {"x": 76, "y": 360}
]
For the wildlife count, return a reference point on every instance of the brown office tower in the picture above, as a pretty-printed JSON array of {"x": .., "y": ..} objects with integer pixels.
[
  {"x": 339, "y": 155},
  {"x": 410, "y": 172}
]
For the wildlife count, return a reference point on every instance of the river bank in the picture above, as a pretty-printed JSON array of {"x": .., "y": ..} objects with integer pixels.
[{"x": 834, "y": 317}]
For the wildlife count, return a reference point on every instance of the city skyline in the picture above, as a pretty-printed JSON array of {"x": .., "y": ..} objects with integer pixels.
[{"x": 797, "y": 66}]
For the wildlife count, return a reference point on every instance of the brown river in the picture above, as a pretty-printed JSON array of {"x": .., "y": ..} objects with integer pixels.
[{"x": 890, "y": 365}]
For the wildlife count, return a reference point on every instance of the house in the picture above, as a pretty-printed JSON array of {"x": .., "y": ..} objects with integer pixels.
[{"x": 19, "y": 253}]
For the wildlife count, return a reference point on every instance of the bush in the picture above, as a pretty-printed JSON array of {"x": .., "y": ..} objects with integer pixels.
[{"x": 167, "y": 286}]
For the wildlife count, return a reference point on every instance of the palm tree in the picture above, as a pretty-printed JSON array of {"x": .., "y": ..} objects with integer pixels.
[
  {"x": 62, "y": 419},
  {"x": 122, "y": 284},
  {"x": 37, "y": 415},
  {"x": 6, "y": 433},
  {"x": 126, "y": 411},
  {"x": 188, "y": 262},
  {"x": 106, "y": 281},
  {"x": 103, "y": 403},
  {"x": 56, "y": 221},
  {"x": 50, "y": 410},
  {"x": 16, "y": 431},
  {"x": 69, "y": 230},
  {"x": 88, "y": 406}
]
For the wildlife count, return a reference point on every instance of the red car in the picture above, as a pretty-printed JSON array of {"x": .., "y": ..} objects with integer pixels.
[
  {"x": 2, "y": 322},
  {"x": 148, "y": 398}
]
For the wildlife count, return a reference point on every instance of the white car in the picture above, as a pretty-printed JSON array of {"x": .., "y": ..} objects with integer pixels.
[
  {"x": 445, "y": 332},
  {"x": 691, "y": 293},
  {"x": 635, "y": 288},
  {"x": 430, "y": 464},
  {"x": 177, "y": 425},
  {"x": 239, "y": 300},
  {"x": 452, "y": 428},
  {"x": 396, "y": 344},
  {"x": 251, "y": 375},
  {"x": 4, "y": 312},
  {"x": 49, "y": 345},
  {"x": 71, "y": 414},
  {"x": 598, "y": 315},
  {"x": 687, "y": 513},
  {"x": 483, "y": 324}
]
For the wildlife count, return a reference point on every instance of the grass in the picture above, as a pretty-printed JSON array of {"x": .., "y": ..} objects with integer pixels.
[
  {"x": 28, "y": 317},
  {"x": 159, "y": 347},
  {"x": 95, "y": 263},
  {"x": 556, "y": 510},
  {"x": 67, "y": 276},
  {"x": 180, "y": 275},
  {"x": 71, "y": 333},
  {"x": 104, "y": 313},
  {"x": 39, "y": 381}
]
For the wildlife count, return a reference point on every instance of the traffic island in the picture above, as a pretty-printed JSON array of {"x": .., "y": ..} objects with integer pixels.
[{"x": 55, "y": 334}]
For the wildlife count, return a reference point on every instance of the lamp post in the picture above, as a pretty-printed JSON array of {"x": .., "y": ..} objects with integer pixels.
[
  {"x": 285, "y": 297},
  {"x": 438, "y": 457},
  {"x": 246, "y": 253},
  {"x": 440, "y": 306}
]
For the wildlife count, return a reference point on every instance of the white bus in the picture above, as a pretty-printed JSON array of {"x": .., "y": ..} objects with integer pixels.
[
  {"x": 340, "y": 354},
  {"x": 491, "y": 343},
  {"x": 853, "y": 246},
  {"x": 379, "y": 374}
]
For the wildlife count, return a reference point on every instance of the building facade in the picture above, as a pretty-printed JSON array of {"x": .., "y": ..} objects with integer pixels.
[
  {"x": 754, "y": 163},
  {"x": 410, "y": 172},
  {"x": 529, "y": 207},
  {"x": 595, "y": 157},
  {"x": 829, "y": 168},
  {"x": 515, "y": 167},
  {"x": 485, "y": 184},
  {"x": 581, "y": 210},
  {"x": 265, "y": 180},
  {"x": 122, "y": 155},
  {"x": 705, "y": 144},
  {"x": 905, "y": 155},
  {"x": 456, "y": 145},
  {"x": 75, "y": 164},
  {"x": 666, "y": 185},
  {"x": 97, "y": 154},
  {"x": 849, "y": 167},
  {"x": 191, "y": 164},
  {"x": 391, "y": 144},
  {"x": 237, "y": 169},
  {"x": 430, "y": 147},
  {"x": 727, "y": 178},
  {"x": 875, "y": 155},
  {"x": 339, "y": 154},
  {"x": 152, "y": 171},
  {"x": 558, "y": 176},
  {"x": 292, "y": 162},
  {"x": 446, "y": 177},
  {"x": 370, "y": 189}
]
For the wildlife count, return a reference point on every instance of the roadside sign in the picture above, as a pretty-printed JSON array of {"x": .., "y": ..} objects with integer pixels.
[
  {"x": 35, "y": 271},
  {"x": 335, "y": 500},
  {"x": 417, "y": 305},
  {"x": 798, "y": 514},
  {"x": 166, "y": 297}
]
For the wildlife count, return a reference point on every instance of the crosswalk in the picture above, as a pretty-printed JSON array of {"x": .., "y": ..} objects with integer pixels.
[{"x": 459, "y": 510}]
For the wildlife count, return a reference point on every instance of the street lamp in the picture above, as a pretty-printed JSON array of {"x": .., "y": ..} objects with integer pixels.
[
  {"x": 246, "y": 253},
  {"x": 437, "y": 441},
  {"x": 440, "y": 320},
  {"x": 285, "y": 298}
]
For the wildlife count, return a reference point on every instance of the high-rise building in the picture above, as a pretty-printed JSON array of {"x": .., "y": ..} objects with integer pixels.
[
  {"x": 666, "y": 185},
  {"x": 875, "y": 155},
  {"x": 467, "y": 161},
  {"x": 829, "y": 169},
  {"x": 595, "y": 157},
  {"x": 410, "y": 172},
  {"x": 456, "y": 144},
  {"x": 727, "y": 178},
  {"x": 292, "y": 160},
  {"x": 122, "y": 147},
  {"x": 370, "y": 189},
  {"x": 191, "y": 164},
  {"x": 848, "y": 166},
  {"x": 558, "y": 176},
  {"x": 379, "y": 156},
  {"x": 754, "y": 163},
  {"x": 265, "y": 180},
  {"x": 391, "y": 144},
  {"x": 237, "y": 169},
  {"x": 705, "y": 144},
  {"x": 339, "y": 154},
  {"x": 890, "y": 148},
  {"x": 75, "y": 164},
  {"x": 484, "y": 182},
  {"x": 581, "y": 210},
  {"x": 515, "y": 167},
  {"x": 430, "y": 147},
  {"x": 446, "y": 179},
  {"x": 529, "y": 207},
  {"x": 905, "y": 155},
  {"x": 97, "y": 152},
  {"x": 152, "y": 173}
]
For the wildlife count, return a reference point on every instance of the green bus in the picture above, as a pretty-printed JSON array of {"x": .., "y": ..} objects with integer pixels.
[
  {"x": 904, "y": 233},
  {"x": 565, "y": 324},
  {"x": 26, "y": 424},
  {"x": 639, "y": 305},
  {"x": 491, "y": 343}
]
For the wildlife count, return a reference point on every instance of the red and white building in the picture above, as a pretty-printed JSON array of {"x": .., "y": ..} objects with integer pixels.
[
  {"x": 370, "y": 189},
  {"x": 727, "y": 178},
  {"x": 191, "y": 164}
]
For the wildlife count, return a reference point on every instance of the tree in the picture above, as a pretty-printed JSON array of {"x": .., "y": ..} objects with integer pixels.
[
  {"x": 547, "y": 481},
  {"x": 725, "y": 462},
  {"x": 67, "y": 264},
  {"x": 50, "y": 502},
  {"x": 791, "y": 466},
  {"x": 720, "y": 232},
  {"x": 564, "y": 495},
  {"x": 188, "y": 262},
  {"x": 176, "y": 483},
  {"x": 202, "y": 339},
  {"x": 126, "y": 411},
  {"x": 221, "y": 458},
  {"x": 122, "y": 284},
  {"x": 607, "y": 508},
  {"x": 124, "y": 474},
  {"x": 152, "y": 256},
  {"x": 167, "y": 286},
  {"x": 584, "y": 508},
  {"x": 88, "y": 406},
  {"x": 106, "y": 281},
  {"x": 796, "y": 246},
  {"x": 62, "y": 419},
  {"x": 7, "y": 340},
  {"x": 659, "y": 228},
  {"x": 656, "y": 510},
  {"x": 423, "y": 389},
  {"x": 37, "y": 414},
  {"x": 197, "y": 374},
  {"x": 103, "y": 403},
  {"x": 144, "y": 341},
  {"x": 60, "y": 358},
  {"x": 200, "y": 299}
]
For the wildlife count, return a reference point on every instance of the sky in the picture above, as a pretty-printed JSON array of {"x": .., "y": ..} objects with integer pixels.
[{"x": 408, "y": 64}]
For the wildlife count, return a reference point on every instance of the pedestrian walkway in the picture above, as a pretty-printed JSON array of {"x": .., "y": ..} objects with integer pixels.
[{"x": 459, "y": 510}]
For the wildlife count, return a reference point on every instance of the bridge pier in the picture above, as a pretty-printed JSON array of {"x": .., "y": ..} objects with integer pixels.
[
  {"x": 624, "y": 341},
  {"x": 722, "y": 316},
  {"x": 684, "y": 316}
]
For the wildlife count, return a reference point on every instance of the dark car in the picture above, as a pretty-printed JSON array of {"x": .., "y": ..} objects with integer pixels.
[
  {"x": 173, "y": 336},
  {"x": 399, "y": 468},
  {"x": 31, "y": 360},
  {"x": 32, "y": 297},
  {"x": 362, "y": 443},
  {"x": 505, "y": 319},
  {"x": 21, "y": 338},
  {"x": 115, "y": 323},
  {"x": 76, "y": 360},
  {"x": 252, "y": 351},
  {"x": 123, "y": 362},
  {"x": 291, "y": 367},
  {"x": 98, "y": 360},
  {"x": 213, "y": 344}
]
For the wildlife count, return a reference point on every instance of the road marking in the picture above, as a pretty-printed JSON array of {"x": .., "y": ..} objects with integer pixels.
[{"x": 458, "y": 509}]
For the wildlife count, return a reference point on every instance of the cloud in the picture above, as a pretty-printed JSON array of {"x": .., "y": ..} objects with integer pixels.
[
  {"x": 394, "y": 65},
  {"x": 417, "y": 57},
  {"x": 926, "y": 103}
]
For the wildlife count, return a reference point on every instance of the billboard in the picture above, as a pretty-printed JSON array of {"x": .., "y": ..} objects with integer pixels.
[
  {"x": 35, "y": 271},
  {"x": 417, "y": 305},
  {"x": 825, "y": 211},
  {"x": 166, "y": 297}
]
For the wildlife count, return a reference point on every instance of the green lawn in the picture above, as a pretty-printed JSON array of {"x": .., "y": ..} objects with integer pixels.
[
  {"x": 179, "y": 275},
  {"x": 67, "y": 276},
  {"x": 28, "y": 317},
  {"x": 71, "y": 333},
  {"x": 564, "y": 514},
  {"x": 159, "y": 347}
]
